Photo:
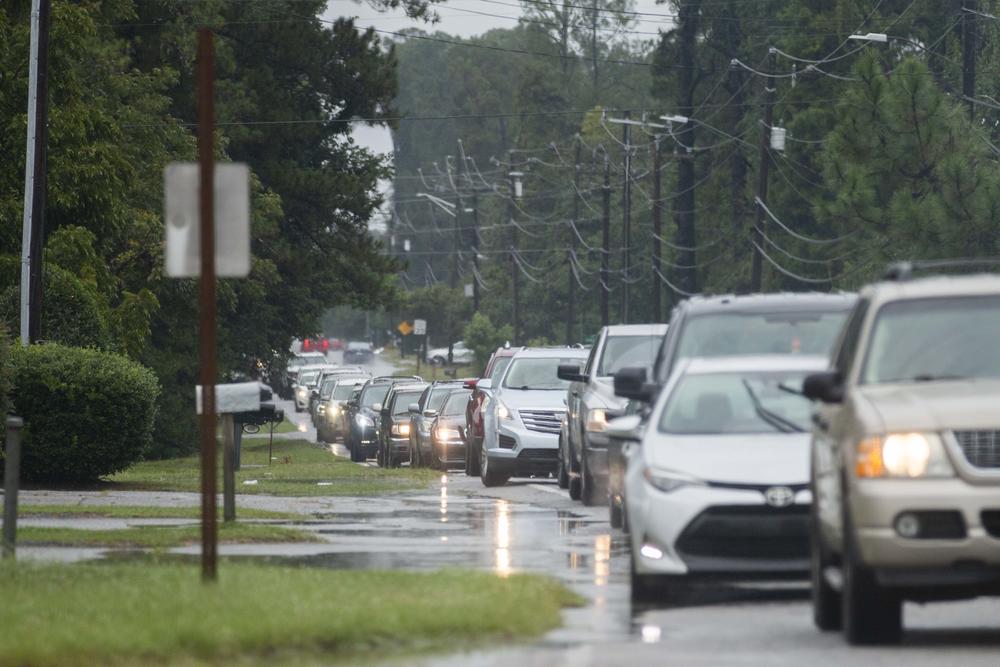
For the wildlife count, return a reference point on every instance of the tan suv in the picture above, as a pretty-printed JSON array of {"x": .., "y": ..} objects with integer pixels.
[{"x": 906, "y": 454}]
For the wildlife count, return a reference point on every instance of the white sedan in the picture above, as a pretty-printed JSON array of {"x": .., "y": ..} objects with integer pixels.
[{"x": 716, "y": 483}]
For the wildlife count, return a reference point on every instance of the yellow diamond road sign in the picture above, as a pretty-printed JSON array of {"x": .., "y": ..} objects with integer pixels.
[{"x": 405, "y": 328}]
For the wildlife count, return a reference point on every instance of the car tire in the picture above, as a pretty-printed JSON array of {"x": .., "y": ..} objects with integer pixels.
[
  {"x": 474, "y": 463},
  {"x": 488, "y": 475},
  {"x": 562, "y": 477},
  {"x": 826, "y": 602},
  {"x": 871, "y": 614},
  {"x": 575, "y": 484},
  {"x": 614, "y": 513},
  {"x": 645, "y": 587},
  {"x": 588, "y": 489}
]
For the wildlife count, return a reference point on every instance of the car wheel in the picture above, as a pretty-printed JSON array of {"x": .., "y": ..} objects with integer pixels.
[
  {"x": 614, "y": 512},
  {"x": 562, "y": 477},
  {"x": 489, "y": 476},
  {"x": 438, "y": 361},
  {"x": 588, "y": 490},
  {"x": 826, "y": 602},
  {"x": 871, "y": 614},
  {"x": 575, "y": 488},
  {"x": 474, "y": 463}
]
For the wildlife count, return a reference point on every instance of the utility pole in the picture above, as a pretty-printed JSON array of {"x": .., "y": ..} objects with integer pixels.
[
  {"x": 763, "y": 167},
  {"x": 657, "y": 312},
  {"x": 33, "y": 225},
  {"x": 685, "y": 203},
  {"x": 627, "y": 217},
  {"x": 475, "y": 252},
  {"x": 605, "y": 240},
  {"x": 515, "y": 273},
  {"x": 571, "y": 286},
  {"x": 969, "y": 39}
]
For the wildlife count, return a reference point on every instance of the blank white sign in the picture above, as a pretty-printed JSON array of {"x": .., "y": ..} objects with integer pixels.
[{"x": 232, "y": 220}]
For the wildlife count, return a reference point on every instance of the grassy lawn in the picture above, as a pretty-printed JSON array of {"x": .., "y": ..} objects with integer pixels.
[
  {"x": 139, "y": 614},
  {"x": 284, "y": 427},
  {"x": 139, "y": 512},
  {"x": 159, "y": 537},
  {"x": 300, "y": 468}
]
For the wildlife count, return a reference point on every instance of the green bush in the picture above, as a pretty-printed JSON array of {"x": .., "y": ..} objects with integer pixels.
[{"x": 87, "y": 413}]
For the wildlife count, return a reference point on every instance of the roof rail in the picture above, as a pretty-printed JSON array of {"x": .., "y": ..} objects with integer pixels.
[{"x": 903, "y": 271}]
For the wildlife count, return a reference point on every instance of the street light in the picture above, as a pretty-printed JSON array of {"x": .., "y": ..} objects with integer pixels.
[
  {"x": 880, "y": 37},
  {"x": 675, "y": 119}
]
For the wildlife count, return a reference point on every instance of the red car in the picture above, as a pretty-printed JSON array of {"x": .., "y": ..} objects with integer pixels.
[
  {"x": 477, "y": 403},
  {"x": 318, "y": 344}
]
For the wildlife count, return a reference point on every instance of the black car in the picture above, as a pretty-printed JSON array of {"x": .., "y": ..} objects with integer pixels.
[
  {"x": 331, "y": 413},
  {"x": 394, "y": 424},
  {"x": 448, "y": 437},
  {"x": 721, "y": 326},
  {"x": 363, "y": 418},
  {"x": 359, "y": 352},
  {"x": 422, "y": 413}
]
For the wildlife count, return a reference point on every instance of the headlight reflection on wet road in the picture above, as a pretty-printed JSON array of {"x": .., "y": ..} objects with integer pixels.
[{"x": 502, "y": 553}]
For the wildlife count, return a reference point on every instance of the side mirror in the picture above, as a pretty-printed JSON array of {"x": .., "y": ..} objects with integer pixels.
[
  {"x": 376, "y": 407},
  {"x": 314, "y": 393},
  {"x": 570, "y": 373},
  {"x": 631, "y": 383},
  {"x": 626, "y": 428},
  {"x": 827, "y": 387},
  {"x": 413, "y": 408},
  {"x": 485, "y": 384},
  {"x": 430, "y": 414}
]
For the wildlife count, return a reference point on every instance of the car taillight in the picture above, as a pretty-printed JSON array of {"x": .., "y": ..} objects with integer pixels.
[
  {"x": 307, "y": 344},
  {"x": 324, "y": 344}
]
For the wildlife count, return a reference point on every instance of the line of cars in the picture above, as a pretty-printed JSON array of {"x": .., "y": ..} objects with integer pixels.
[{"x": 853, "y": 439}]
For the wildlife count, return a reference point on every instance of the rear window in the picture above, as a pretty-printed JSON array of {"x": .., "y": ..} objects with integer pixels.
[{"x": 359, "y": 346}]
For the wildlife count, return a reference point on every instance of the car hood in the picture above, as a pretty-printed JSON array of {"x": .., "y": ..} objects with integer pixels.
[
  {"x": 531, "y": 399},
  {"x": 766, "y": 458},
  {"x": 934, "y": 406}
]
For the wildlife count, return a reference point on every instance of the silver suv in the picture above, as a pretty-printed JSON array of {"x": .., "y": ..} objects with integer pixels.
[{"x": 905, "y": 455}]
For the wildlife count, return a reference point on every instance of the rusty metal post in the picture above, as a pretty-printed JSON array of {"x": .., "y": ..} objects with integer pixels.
[
  {"x": 207, "y": 305},
  {"x": 228, "y": 470},
  {"x": 11, "y": 480}
]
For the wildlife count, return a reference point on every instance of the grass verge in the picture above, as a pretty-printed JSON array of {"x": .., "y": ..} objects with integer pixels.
[
  {"x": 126, "y": 614},
  {"x": 284, "y": 427},
  {"x": 160, "y": 537},
  {"x": 299, "y": 468},
  {"x": 140, "y": 512}
]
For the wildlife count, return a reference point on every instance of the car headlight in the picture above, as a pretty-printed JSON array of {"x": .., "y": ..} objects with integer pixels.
[
  {"x": 321, "y": 409},
  {"x": 597, "y": 420},
  {"x": 363, "y": 421},
  {"x": 400, "y": 429},
  {"x": 906, "y": 455},
  {"x": 667, "y": 481},
  {"x": 443, "y": 433},
  {"x": 504, "y": 413},
  {"x": 301, "y": 391}
]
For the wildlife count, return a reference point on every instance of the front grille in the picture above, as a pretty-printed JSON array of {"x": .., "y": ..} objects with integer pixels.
[
  {"x": 539, "y": 455},
  {"x": 748, "y": 532},
  {"x": 981, "y": 448},
  {"x": 543, "y": 421},
  {"x": 991, "y": 522}
]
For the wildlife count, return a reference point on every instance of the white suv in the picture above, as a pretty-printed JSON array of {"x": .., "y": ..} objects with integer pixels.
[{"x": 905, "y": 460}]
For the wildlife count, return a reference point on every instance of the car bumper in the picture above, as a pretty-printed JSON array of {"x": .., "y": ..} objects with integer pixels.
[
  {"x": 450, "y": 451},
  {"x": 973, "y": 513},
  {"x": 706, "y": 530},
  {"x": 595, "y": 448},
  {"x": 532, "y": 453},
  {"x": 400, "y": 446},
  {"x": 301, "y": 402}
]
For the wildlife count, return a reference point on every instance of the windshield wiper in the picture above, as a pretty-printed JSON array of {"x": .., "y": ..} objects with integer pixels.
[
  {"x": 930, "y": 377},
  {"x": 772, "y": 418}
]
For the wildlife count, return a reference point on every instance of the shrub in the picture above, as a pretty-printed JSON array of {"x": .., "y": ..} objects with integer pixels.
[
  {"x": 87, "y": 413},
  {"x": 483, "y": 338}
]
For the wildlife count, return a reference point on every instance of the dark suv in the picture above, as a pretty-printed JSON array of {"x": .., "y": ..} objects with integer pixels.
[
  {"x": 359, "y": 353},
  {"x": 394, "y": 424},
  {"x": 427, "y": 409},
  {"x": 365, "y": 414}
]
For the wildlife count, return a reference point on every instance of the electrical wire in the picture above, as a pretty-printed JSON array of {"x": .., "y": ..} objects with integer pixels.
[{"x": 804, "y": 239}]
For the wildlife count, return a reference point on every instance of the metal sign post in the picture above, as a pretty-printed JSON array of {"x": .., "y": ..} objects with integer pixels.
[{"x": 207, "y": 304}]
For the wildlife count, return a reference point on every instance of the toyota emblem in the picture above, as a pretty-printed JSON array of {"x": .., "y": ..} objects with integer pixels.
[{"x": 779, "y": 496}]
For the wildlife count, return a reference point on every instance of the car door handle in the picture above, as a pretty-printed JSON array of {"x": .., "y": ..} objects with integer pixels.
[{"x": 821, "y": 423}]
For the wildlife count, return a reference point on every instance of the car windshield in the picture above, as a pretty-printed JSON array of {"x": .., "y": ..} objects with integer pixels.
[
  {"x": 455, "y": 405},
  {"x": 343, "y": 390},
  {"x": 327, "y": 388},
  {"x": 726, "y": 403},
  {"x": 309, "y": 378},
  {"x": 373, "y": 394},
  {"x": 537, "y": 373},
  {"x": 403, "y": 400},
  {"x": 437, "y": 397},
  {"x": 628, "y": 352},
  {"x": 295, "y": 362},
  {"x": 732, "y": 334},
  {"x": 923, "y": 340},
  {"x": 499, "y": 366}
]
